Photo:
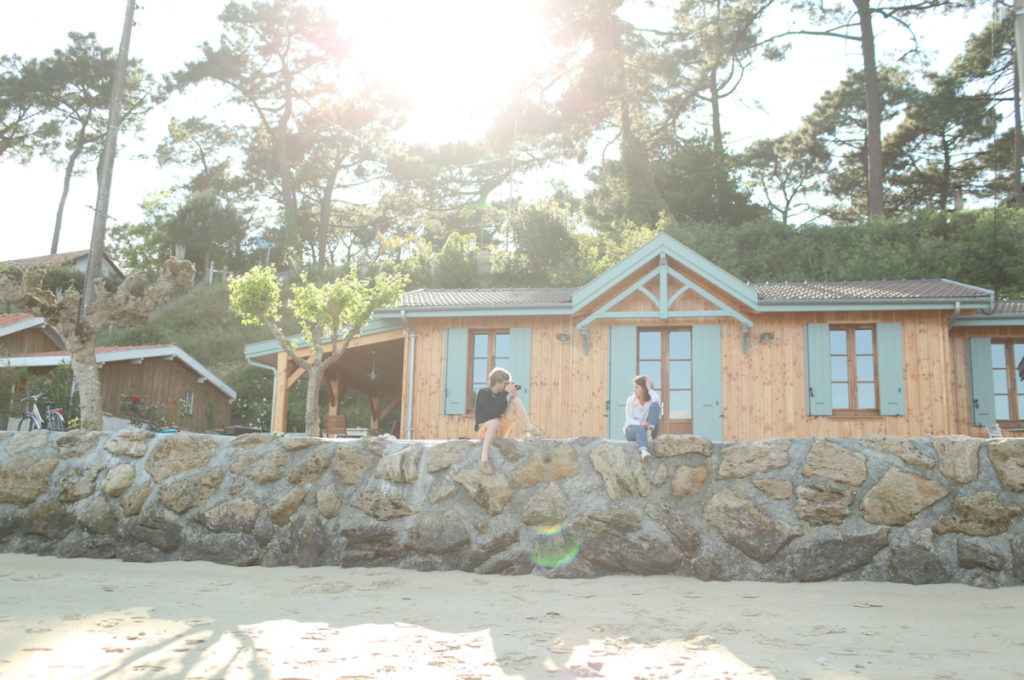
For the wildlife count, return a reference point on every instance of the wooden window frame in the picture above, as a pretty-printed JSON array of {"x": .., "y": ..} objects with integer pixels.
[
  {"x": 851, "y": 371},
  {"x": 491, "y": 359},
  {"x": 188, "y": 403},
  {"x": 661, "y": 382},
  {"x": 1011, "y": 383}
]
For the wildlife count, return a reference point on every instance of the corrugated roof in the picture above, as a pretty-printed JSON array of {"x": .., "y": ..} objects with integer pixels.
[
  {"x": 487, "y": 297},
  {"x": 1015, "y": 307},
  {"x": 849, "y": 291}
]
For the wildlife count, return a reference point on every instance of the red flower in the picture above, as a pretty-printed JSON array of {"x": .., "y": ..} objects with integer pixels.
[{"x": 135, "y": 400}]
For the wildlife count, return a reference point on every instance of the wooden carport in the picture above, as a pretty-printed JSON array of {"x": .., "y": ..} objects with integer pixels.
[{"x": 372, "y": 365}]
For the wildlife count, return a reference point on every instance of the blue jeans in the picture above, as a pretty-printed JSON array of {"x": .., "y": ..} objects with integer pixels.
[{"x": 638, "y": 433}]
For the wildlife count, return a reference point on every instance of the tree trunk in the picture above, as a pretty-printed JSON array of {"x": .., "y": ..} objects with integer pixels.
[
  {"x": 633, "y": 157},
  {"x": 325, "y": 219},
  {"x": 716, "y": 116},
  {"x": 1018, "y": 138},
  {"x": 873, "y": 96},
  {"x": 69, "y": 171},
  {"x": 87, "y": 377},
  {"x": 315, "y": 375}
]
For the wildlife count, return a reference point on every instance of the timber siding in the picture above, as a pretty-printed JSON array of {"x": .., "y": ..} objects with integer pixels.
[{"x": 761, "y": 365}]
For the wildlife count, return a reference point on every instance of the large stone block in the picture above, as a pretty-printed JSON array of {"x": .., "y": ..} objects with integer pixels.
[
  {"x": 287, "y": 505},
  {"x": 916, "y": 564},
  {"x": 682, "y": 532},
  {"x": 402, "y": 467},
  {"x": 131, "y": 502},
  {"x": 118, "y": 480},
  {"x": 261, "y": 468},
  {"x": 77, "y": 443},
  {"x": 776, "y": 489},
  {"x": 191, "y": 492},
  {"x": 549, "y": 460},
  {"x": 973, "y": 555},
  {"x": 610, "y": 542},
  {"x": 373, "y": 545},
  {"x": 27, "y": 441},
  {"x": 328, "y": 501},
  {"x": 100, "y": 517},
  {"x": 669, "y": 445},
  {"x": 237, "y": 550},
  {"x": 832, "y": 557},
  {"x": 979, "y": 515},
  {"x": 898, "y": 498},
  {"x": 310, "y": 469},
  {"x": 49, "y": 519},
  {"x": 234, "y": 516},
  {"x": 351, "y": 463},
  {"x": 622, "y": 471},
  {"x": 444, "y": 455},
  {"x": 491, "y": 492},
  {"x": 441, "y": 490},
  {"x": 381, "y": 506},
  {"x": 438, "y": 533},
  {"x": 743, "y": 460},
  {"x": 78, "y": 483},
  {"x": 1007, "y": 456},
  {"x": 158, "y": 531},
  {"x": 133, "y": 442},
  {"x": 547, "y": 508},
  {"x": 252, "y": 440},
  {"x": 958, "y": 457},
  {"x": 819, "y": 505},
  {"x": 746, "y": 527},
  {"x": 23, "y": 479},
  {"x": 832, "y": 461},
  {"x": 178, "y": 453},
  {"x": 688, "y": 480},
  {"x": 901, "y": 447}
]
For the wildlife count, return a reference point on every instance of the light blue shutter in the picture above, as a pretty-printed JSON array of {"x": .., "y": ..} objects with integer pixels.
[
  {"x": 890, "y": 370},
  {"x": 519, "y": 361},
  {"x": 621, "y": 371},
  {"x": 456, "y": 362},
  {"x": 819, "y": 373},
  {"x": 979, "y": 366},
  {"x": 707, "y": 381}
]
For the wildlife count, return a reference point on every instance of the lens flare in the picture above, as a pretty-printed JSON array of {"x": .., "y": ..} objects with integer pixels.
[{"x": 554, "y": 550}]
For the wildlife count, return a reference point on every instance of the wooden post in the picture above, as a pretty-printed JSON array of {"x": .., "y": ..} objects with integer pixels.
[{"x": 280, "y": 423}]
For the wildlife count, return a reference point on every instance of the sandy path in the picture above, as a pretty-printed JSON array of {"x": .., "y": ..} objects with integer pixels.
[{"x": 92, "y": 619}]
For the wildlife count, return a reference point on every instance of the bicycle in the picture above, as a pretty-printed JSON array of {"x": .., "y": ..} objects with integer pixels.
[{"x": 32, "y": 420}]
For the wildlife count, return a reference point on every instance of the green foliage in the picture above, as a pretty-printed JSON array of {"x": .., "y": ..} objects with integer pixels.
[{"x": 256, "y": 296}]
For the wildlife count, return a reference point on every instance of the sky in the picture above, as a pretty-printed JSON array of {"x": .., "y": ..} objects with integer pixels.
[{"x": 456, "y": 61}]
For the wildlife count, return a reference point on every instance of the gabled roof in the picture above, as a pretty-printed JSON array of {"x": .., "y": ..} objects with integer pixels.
[
  {"x": 664, "y": 245},
  {"x": 60, "y": 259},
  {"x": 111, "y": 354},
  {"x": 15, "y": 323},
  {"x": 12, "y": 323},
  {"x": 761, "y": 297}
]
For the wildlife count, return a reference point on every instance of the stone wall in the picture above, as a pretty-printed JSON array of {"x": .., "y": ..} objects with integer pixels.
[{"x": 924, "y": 510}]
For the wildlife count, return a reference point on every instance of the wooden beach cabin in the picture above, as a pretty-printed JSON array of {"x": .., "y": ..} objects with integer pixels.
[
  {"x": 189, "y": 393},
  {"x": 733, "y": 361}
]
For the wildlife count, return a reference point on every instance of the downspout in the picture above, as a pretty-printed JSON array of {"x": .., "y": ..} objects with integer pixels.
[
  {"x": 273, "y": 393},
  {"x": 412, "y": 372}
]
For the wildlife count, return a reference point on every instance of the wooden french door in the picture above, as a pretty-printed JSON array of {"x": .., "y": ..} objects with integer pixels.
[{"x": 666, "y": 355}]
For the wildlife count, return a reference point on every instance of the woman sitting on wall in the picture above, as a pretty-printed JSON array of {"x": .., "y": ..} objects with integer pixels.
[
  {"x": 497, "y": 409},
  {"x": 643, "y": 414}
]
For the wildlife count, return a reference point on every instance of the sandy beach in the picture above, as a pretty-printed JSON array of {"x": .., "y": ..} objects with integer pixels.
[{"x": 92, "y": 619}]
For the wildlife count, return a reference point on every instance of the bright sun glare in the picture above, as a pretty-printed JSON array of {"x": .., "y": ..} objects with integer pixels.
[{"x": 456, "y": 61}]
